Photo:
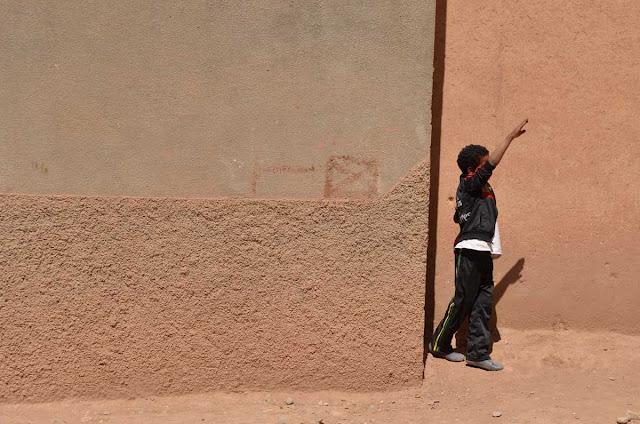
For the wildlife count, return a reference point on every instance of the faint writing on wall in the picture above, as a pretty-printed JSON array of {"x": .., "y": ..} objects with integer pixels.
[{"x": 342, "y": 176}]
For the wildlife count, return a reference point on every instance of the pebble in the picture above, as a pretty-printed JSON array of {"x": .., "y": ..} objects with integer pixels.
[
  {"x": 612, "y": 378},
  {"x": 628, "y": 418},
  {"x": 289, "y": 401},
  {"x": 496, "y": 414}
]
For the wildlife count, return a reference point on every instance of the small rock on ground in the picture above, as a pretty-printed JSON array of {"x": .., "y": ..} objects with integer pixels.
[
  {"x": 496, "y": 414},
  {"x": 628, "y": 418}
]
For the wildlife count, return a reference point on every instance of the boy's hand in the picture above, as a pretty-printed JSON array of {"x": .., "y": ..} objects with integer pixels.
[
  {"x": 518, "y": 131},
  {"x": 496, "y": 156}
]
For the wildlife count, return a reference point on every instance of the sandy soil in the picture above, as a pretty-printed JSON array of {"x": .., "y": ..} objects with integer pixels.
[{"x": 550, "y": 377}]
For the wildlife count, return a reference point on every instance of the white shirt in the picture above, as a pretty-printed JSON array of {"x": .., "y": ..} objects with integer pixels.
[{"x": 495, "y": 246}]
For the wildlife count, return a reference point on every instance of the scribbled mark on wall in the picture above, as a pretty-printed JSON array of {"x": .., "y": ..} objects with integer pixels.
[
  {"x": 351, "y": 177},
  {"x": 345, "y": 177},
  {"x": 40, "y": 167},
  {"x": 260, "y": 171}
]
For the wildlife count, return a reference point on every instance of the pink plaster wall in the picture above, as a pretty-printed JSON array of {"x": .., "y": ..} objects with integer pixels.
[
  {"x": 567, "y": 191},
  {"x": 117, "y": 297}
]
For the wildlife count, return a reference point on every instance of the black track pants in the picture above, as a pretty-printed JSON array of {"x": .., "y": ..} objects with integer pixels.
[{"x": 473, "y": 298}]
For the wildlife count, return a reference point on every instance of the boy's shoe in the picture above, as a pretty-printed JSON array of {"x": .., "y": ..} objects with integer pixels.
[
  {"x": 487, "y": 365},
  {"x": 451, "y": 356}
]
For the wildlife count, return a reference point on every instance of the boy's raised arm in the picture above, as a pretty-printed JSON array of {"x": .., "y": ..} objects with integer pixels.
[
  {"x": 496, "y": 155},
  {"x": 475, "y": 180}
]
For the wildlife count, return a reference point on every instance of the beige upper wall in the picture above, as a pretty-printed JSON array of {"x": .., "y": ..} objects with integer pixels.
[
  {"x": 212, "y": 98},
  {"x": 567, "y": 191}
]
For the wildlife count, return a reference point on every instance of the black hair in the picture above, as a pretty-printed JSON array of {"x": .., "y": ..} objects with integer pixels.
[{"x": 469, "y": 157}]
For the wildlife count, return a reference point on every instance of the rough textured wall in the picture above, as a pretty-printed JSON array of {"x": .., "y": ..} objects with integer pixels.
[
  {"x": 567, "y": 191},
  {"x": 116, "y": 297},
  {"x": 201, "y": 98}
]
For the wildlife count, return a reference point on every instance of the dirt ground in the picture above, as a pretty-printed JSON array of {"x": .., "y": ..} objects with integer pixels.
[{"x": 559, "y": 376}]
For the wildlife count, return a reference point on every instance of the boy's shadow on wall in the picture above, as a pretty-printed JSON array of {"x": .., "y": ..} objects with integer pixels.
[{"x": 512, "y": 276}]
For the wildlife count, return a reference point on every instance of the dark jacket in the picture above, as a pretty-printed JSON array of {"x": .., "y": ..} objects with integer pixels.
[{"x": 476, "y": 209}]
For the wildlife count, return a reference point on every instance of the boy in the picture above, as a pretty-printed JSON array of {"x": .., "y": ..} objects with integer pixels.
[{"x": 477, "y": 242}]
